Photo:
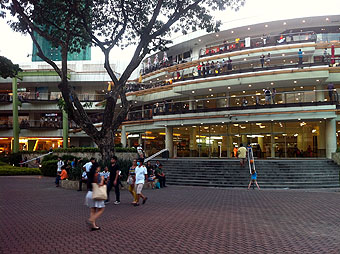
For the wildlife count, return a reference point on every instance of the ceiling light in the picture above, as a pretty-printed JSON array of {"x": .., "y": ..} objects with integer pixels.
[
  {"x": 210, "y": 89},
  {"x": 317, "y": 80},
  {"x": 216, "y": 35},
  {"x": 284, "y": 23},
  {"x": 266, "y": 26},
  {"x": 229, "y": 87},
  {"x": 232, "y": 32},
  {"x": 303, "y": 21},
  {"x": 212, "y": 95},
  {"x": 249, "y": 85},
  {"x": 272, "y": 83},
  {"x": 199, "y": 40},
  {"x": 295, "y": 81},
  {"x": 192, "y": 91},
  {"x": 327, "y": 19},
  {"x": 301, "y": 87}
]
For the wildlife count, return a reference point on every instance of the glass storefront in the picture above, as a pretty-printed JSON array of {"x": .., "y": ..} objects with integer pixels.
[{"x": 268, "y": 139}]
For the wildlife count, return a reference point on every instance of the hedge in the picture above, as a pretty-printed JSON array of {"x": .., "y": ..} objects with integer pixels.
[
  {"x": 7, "y": 170},
  {"x": 83, "y": 150},
  {"x": 49, "y": 168}
]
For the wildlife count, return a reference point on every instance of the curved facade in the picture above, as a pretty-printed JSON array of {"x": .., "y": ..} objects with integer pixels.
[{"x": 273, "y": 85}]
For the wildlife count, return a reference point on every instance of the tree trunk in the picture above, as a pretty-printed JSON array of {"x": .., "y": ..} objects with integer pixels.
[{"x": 106, "y": 146}]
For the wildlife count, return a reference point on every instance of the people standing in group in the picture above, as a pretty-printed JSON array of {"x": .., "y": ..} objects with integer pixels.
[
  {"x": 96, "y": 206},
  {"x": 60, "y": 164},
  {"x": 199, "y": 69},
  {"x": 273, "y": 95},
  {"x": 83, "y": 179},
  {"x": 140, "y": 152},
  {"x": 268, "y": 96},
  {"x": 131, "y": 181},
  {"x": 89, "y": 164},
  {"x": 244, "y": 102},
  {"x": 268, "y": 60},
  {"x": 151, "y": 174},
  {"x": 141, "y": 175},
  {"x": 253, "y": 179},
  {"x": 114, "y": 180},
  {"x": 325, "y": 56},
  {"x": 300, "y": 55},
  {"x": 229, "y": 65},
  {"x": 242, "y": 155},
  {"x": 262, "y": 60},
  {"x": 160, "y": 175},
  {"x": 330, "y": 88},
  {"x": 106, "y": 174}
]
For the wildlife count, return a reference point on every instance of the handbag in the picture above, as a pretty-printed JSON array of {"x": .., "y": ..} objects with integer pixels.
[{"x": 99, "y": 192}]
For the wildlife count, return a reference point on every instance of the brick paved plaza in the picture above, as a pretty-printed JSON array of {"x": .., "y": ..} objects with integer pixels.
[{"x": 36, "y": 217}]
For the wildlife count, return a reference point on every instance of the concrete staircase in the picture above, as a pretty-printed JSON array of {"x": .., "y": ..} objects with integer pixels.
[{"x": 299, "y": 173}]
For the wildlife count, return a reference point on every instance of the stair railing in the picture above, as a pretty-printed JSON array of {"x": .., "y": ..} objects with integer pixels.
[
  {"x": 155, "y": 155},
  {"x": 251, "y": 161}
]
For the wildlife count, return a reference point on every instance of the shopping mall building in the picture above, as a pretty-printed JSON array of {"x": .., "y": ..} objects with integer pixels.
[{"x": 206, "y": 94}]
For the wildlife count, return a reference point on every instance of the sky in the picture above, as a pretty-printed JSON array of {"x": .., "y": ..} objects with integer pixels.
[{"x": 17, "y": 47}]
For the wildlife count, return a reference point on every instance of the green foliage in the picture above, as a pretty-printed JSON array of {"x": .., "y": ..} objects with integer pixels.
[
  {"x": 8, "y": 170},
  {"x": 49, "y": 168},
  {"x": 15, "y": 159},
  {"x": 7, "y": 68},
  {"x": 125, "y": 150},
  {"x": 124, "y": 166}
]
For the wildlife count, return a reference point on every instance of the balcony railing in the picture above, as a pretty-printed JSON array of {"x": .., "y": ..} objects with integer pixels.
[
  {"x": 55, "y": 96},
  {"x": 237, "y": 102},
  {"x": 225, "y": 46},
  {"x": 236, "y": 67}
]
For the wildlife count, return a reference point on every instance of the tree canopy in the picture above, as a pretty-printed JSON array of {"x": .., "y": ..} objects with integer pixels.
[
  {"x": 7, "y": 68},
  {"x": 74, "y": 24}
]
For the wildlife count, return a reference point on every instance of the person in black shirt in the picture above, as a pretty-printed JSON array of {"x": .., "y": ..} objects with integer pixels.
[{"x": 113, "y": 180}]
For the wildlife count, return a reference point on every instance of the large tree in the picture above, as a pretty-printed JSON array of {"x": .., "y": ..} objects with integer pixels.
[
  {"x": 73, "y": 24},
  {"x": 7, "y": 68}
]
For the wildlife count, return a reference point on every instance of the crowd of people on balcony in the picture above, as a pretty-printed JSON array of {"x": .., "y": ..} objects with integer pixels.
[{"x": 226, "y": 46}]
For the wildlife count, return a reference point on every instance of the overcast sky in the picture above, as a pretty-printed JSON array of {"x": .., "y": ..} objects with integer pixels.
[{"x": 17, "y": 47}]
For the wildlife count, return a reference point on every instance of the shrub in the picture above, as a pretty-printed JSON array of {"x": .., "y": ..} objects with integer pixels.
[
  {"x": 124, "y": 166},
  {"x": 50, "y": 157},
  {"x": 49, "y": 168},
  {"x": 15, "y": 159},
  {"x": 7, "y": 170}
]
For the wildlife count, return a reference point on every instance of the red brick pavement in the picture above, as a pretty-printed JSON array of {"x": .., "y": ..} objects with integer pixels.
[{"x": 36, "y": 217}]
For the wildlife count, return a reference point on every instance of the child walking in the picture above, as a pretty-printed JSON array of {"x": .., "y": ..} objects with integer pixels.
[{"x": 253, "y": 179}]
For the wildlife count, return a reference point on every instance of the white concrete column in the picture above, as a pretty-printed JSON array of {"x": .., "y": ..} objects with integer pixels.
[
  {"x": 192, "y": 105},
  {"x": 320, "y": 96},
  {"x": 229, "y": 142},
  {"x": 272, "y": 141},
  {"x": 330, "y": 137},
  {"x": 129, "y": 142},
  {"x": 244, "y": 140},
  {"x": 123, "y": 136},
  {"x": 260, "y": 142},
  {"x": 169, "y": 143},
  {"x": 193, "y": 142}
]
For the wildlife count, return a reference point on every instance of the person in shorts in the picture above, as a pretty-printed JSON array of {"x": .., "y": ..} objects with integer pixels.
[
  {"x": 141, "y": 174},
  {"x": 253, "y": 179},
  {"x": 242, "y": 154}
]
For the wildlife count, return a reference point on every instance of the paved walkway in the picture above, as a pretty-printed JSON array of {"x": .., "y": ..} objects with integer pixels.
[{"x": 36, "y": 217}]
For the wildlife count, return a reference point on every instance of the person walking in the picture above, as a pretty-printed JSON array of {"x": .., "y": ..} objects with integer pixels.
[
  {"x": 96, "y": 206},
  {"x": 330, "y": 88},
  {"x": 262, "y": 60},
  {"x": 253, "y": 179},
  {"x": 83, "y": 179},
  {"x": 300, "y": 55},
  {"x": 113, "y": 180},
  {"x": 141, "y": 174},
  {"x": 131, "y": 181},
  {"x": 273, "y": 95},
  {"x": 60, "y": 164},
  {"x": 242, "y": 154}
]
